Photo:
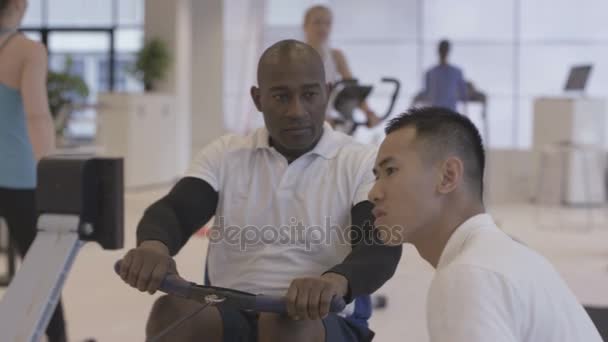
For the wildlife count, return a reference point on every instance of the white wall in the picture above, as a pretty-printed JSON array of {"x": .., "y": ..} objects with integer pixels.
[
  {"x": 243, "y": 33},
  {"x": 164, "y": 20},
  {"x": 206, "y": 69}
]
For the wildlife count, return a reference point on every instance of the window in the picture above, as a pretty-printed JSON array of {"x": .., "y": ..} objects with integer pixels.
[
  {"x": 468, "y": 20},
  {"x": 33, "y": 14},
  {"x": 512, "y": 50},
  {"x": 123, "y": 80},
  {"x": 566, "y": 20},
  {"x": 130, "y": 12},
  {"x": 83, "y": 31},
  {"x": 75, "y": 13}
]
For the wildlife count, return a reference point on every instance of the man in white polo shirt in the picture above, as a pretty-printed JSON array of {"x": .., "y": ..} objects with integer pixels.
[
  {"x": 487, "y": 287},
  {"x": 283, "y": 199}
]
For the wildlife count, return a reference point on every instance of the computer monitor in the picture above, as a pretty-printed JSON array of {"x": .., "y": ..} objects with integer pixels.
[{"x": 577, "y": 78}]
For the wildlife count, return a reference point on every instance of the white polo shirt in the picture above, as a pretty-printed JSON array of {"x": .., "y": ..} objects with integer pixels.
[
  {"x": 277, "y": 221},
  {"x": 489, "y": 287}
]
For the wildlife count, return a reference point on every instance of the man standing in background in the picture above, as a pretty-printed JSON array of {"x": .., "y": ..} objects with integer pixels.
[{"x": 444, "y": 84}]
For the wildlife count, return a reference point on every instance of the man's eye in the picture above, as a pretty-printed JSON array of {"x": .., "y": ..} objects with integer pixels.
[
  {"x": 281, "y": 97},
  {"x": 390, "y": 170},
  {"x": 310, "y": 94}
]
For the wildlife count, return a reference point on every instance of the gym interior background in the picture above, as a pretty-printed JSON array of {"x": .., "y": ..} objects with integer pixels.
[{"x": 549, "y": 195}]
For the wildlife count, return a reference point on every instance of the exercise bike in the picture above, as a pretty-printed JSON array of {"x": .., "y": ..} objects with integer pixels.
[{"x": 348, "y": 95}]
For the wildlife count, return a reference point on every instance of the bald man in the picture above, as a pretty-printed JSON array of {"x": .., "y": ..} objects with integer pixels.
[{"x": 291, "y": 219}]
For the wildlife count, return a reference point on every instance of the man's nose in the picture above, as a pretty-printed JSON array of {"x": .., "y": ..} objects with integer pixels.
[
  {"x": 375, "y": 194},
  {"x": 296, "y": 109}
]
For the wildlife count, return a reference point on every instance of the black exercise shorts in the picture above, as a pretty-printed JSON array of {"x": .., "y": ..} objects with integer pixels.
[{"x": 242, "y": 326}]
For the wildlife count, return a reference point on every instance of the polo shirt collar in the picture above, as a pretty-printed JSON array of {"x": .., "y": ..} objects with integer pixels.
[
  {"x": 327, "y": 147},
  {"x": 460, "y": 235}
]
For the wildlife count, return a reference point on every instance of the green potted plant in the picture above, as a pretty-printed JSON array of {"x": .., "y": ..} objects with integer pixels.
[
  {"x": 152, "y": 63},
  {"x": 64, "y": 89}
]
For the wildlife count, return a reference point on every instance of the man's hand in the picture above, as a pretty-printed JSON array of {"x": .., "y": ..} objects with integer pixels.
[
  {"x": 145, "y": 267},
  {"x": 310, "y": 298}
]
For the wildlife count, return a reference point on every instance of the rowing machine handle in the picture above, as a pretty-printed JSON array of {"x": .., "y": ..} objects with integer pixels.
[
  {"x": 276, "y": 304},
  {"x": 172, "y": 284}
]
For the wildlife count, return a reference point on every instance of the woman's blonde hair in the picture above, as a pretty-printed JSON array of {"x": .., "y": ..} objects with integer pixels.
[{"x": 311, "y": 11}]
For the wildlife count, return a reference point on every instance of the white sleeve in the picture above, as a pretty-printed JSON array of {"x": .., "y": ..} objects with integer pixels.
[
  {"x": 469, "y": 304},
  {"x": 207, "y": 164},
  {"x": 365, "y": 176}
]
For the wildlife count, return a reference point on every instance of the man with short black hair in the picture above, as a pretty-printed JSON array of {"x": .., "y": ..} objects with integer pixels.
[{"x": 487, "y": 287}]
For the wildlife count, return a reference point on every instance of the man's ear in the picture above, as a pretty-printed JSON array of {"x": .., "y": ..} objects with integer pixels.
[
  {"x": 451, "y": 175},
  {"x": 255, "y": 96}
]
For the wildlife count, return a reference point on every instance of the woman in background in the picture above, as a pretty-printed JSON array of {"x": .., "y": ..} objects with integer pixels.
[
  {"x": 26, "y": 133},
  {"x": 317, "y": 27}
]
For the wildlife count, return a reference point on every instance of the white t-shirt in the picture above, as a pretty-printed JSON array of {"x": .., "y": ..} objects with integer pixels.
[
  {"x": 489, "y": 287},
  {"x": 277, "y": 221}
]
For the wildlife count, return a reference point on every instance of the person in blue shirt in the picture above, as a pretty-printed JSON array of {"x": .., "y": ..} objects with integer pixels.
[
  {"x": 444, "y": 84},
  {"x": 26, "y": 133}
]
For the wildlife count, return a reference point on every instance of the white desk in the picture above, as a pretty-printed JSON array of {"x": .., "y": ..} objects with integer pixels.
[
  {"x": 575, "y": 174},
  {"x": 575, "y": 120}
]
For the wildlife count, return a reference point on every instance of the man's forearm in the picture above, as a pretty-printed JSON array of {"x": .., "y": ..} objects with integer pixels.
[
  {"x": 370, "y": 264},
  {"x": 174, "y": 218},
  {"x": 160, "y": 223},
  {"x": 368, "y": 268}
]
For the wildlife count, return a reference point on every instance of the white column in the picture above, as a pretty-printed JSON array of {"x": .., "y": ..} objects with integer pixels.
[
  {"x": 207, "y": 72},
  {"x": 194, "y": 33}
]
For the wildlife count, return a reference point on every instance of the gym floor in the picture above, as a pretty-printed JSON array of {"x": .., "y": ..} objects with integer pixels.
[{"x": 98, "y": 305}]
